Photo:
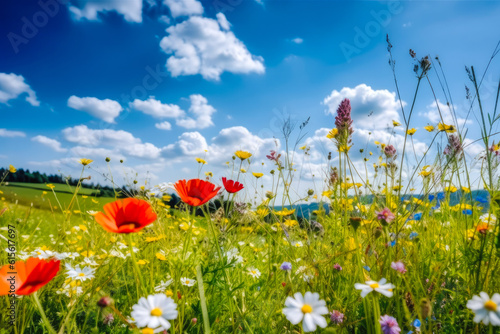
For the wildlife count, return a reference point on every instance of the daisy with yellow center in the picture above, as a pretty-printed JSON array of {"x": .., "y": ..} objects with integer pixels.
[
  {"x": 308, "y": 309},
  {"x": 486, "y": 309},
  {"x": 152, "y": 313},
  {"x": 381, "y": 287}
]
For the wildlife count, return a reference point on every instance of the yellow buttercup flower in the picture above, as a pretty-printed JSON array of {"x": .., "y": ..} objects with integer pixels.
[
  {"x": 258, "y": 175},
  {"x": 333, "y": 132},
  {"x": 450, "y": 189},
  {"x": 12, "y": 169},
  {"x": 284, "y": 212},
  {"x": 425, "y": 172},
  {"x": 395, "y": 123},
  {"x": 466, "y": 190},
  {"x": 447, "y": 128},
  {"x": 51, "y": 186},
  {"x": 429, "y": 128},
  {"x": 85, "y": 162},
  {"x": 411, "y": 131},
  {"x": 243, "y": 155},
  {"x": 200, "y": 161},
  {"x": 303, "y": 147},
  {"x": 209, "y": 174}
]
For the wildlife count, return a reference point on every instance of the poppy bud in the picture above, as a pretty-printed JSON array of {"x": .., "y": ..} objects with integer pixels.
[{"x": 104, "y": 301}]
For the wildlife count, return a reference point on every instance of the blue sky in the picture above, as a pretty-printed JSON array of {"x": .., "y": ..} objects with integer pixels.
[{"x": 157, "y": 82}]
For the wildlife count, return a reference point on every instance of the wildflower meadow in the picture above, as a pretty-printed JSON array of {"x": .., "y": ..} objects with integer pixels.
[{"x": 389, "y": 240}]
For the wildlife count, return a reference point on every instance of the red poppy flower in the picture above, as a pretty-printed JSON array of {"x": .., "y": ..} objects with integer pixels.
[
  {"x": 196, "y": 192},
  {"x": 27, "y": 277},
  {"x": 231, "y": 186},
  {"x": 126, "y": 216}
]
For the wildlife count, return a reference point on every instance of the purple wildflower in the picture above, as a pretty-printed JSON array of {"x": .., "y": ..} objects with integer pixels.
[
  {"x": 272, "y": 156},
  {"x": 454, "y": 147},
  {"x": 337, "y": 266},
  {"x": 108, "y": 319},
  {"x": 343, "y": 122},
  {"x": 286, "y": 266},
  {"x": 337, "y": 317},
  {"x": 390, "y": 151},
  {"x": 399, "y": 266},
  {"x": 386, "y": 215},
  {"x": 389, "y": 325}
]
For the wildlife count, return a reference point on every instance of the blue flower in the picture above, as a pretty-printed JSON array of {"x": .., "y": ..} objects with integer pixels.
[
  {"x": 393, "y": 243},
  {"x": 286, "y": 266},
  {"x": 440, "y": 196},
  {"x": 481, "y": 199},
  {"x": 417, "y": 216},
  {"x": 436, "y": 207},
  {"x": 467, "y": 212},
  {"x": 366, "y": 268},
  {"x": 431, "y": 197},
  {"x": 413, "y": 235},
  {"x": 417, "y": 323}
]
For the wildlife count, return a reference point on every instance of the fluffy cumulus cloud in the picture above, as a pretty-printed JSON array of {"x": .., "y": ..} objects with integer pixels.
[
  {"x": 436, "y": 110},
  {"x": 205, "y": 46},
  {"x": 11, "y": 134},
  {"x": 157, "y": 109},
  {"x": 184, "y": 7},
  {"x": 49, "y": 142},
  {"x": 117, "y": 140},
  {"x": 90, "y": 9},
  {"x": 106, "y": 110},
  {"x": 201, "y": 111},
  {"x": 199, "y": 117},
  {"x": 371, "y": 109},
  {"x": 12, "y": 86},
  {"x": 221, "y": 147},
  {"x": 163, "y": 126}
]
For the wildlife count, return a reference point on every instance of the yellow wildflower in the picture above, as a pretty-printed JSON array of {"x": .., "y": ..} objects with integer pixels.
[
  {"x": 258, "y": 175},
  {"x": 209, "y": 174},
  {"x": 411, "y": 131},
  {"x": 200, "y": 161},
  {"x": 85, "y": 162},
  {"x": 333, "y": 132},
  {"x": 395, "y": 123},
  {"x": 284, "y": 212},
  {"x": 51, "y": 186},
  {"x": 12, "y": 169},
  {"x": 243, "y": 155},
  {"x": 450, "y": 189},
  {"x": 429, "y": 128},
  {"x": 447, "y": 128}
]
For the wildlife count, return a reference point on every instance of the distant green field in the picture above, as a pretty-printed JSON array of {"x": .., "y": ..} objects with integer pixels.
[{"x": 32, "y": 194}]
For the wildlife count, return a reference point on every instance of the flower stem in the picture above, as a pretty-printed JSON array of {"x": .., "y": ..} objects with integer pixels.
[
  {"x": 42, "y": 313},
  {"x": 203, "y": 301},
  {"x": 134, "y": 261}
]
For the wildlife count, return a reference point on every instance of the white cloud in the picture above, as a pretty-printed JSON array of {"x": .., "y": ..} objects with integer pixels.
[
  {"x": 184, "y": 7},
  {"x": 11, "y": 134},
  {"x": 381, "y": 105},
  {"x": 130, "y": 9},
  {"x": 118, "y": 140},
  {"x": 49, "y": 142},
  {"x": 157, "y": 109},
  {"x": 201, "y": 45},
  {"x": 163, "y": 126},
  {"x": 106, "y": 110},
  {"x": 142, "y": 150},
  {"x": 82, "y": 135},
  {"x": 188, "y": 144},
  {"x": 473, "y": 148},
  {"x": 436, "y": 110},
  {"x": 95, "y": 152},
  {"x": 223, "y": 22},
  {"x": 202, "y": 112},
  {"x": 12, "y": 86},
  {"x": 297, "y": 40},
  {"x": 221, "y": 148}
]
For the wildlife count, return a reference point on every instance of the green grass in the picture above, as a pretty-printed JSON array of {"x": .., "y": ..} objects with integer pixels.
[{"x": 32, "y": 194}]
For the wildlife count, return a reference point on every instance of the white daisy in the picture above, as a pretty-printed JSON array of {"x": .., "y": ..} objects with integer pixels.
[
  {"x": 254, "y": 272},
  {"x": 187, "y": 281},
  {"x": 488, "y": 218},
  {"x": 487, "y": 310},
  {"x": 79, "y": 274},
  {"x": 154, "y": 312},
  {"x": 308, "y": 309},
  {"x": 43, "y": 254},
  {"x": 163, "y": 285},
  {"x": 381, "y": 286}
]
